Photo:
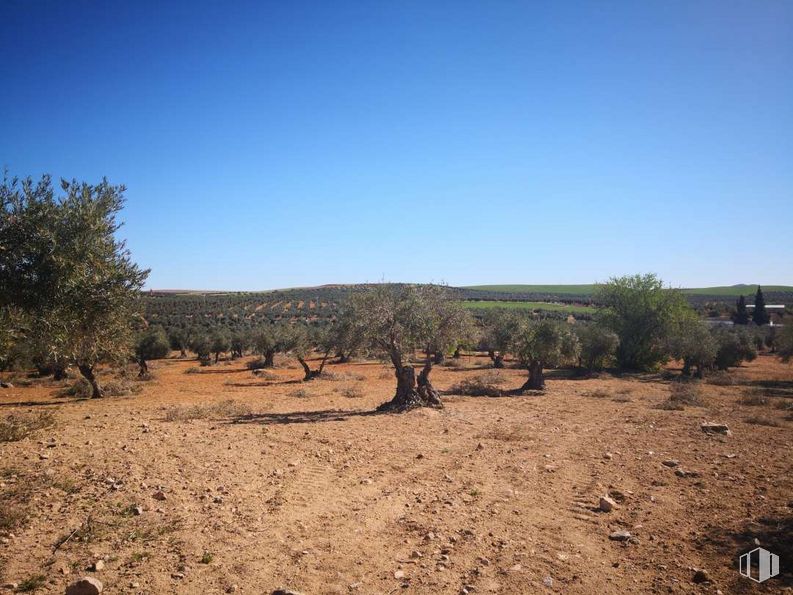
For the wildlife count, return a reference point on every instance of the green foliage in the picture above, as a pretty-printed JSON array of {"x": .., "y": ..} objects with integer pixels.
[
  {"x": 598, "y": 345},
  {"x": 61, "y": 264},
  {"x": 733, "y": 347},
  {"x": 547, "y": 343},
  {"x": 643, "y": 313},
  {"x": 759, "y": 314},
  {"x": 784, "y": 341},
  {"x": 741, "y": 313},
  {"x": 692, "y": 342},
  {"x": 152, "y": 344},
  {"x": 530, "y": 306}
]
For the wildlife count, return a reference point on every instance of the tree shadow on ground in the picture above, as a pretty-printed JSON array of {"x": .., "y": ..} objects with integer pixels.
[
  {"x": 774, "y": 534},
  {"x": 303, "y": 417},
  {"x": 264, "y": 383},
  {"x": 64, "y": 401}
]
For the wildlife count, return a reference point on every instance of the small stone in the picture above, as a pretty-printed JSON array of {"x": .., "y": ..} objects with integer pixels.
[
  {"x": 608, "y": 456},
  {"x": 480, "y": 446},
  {"x": 415, "y": 554},
  {"x": 159, "y": 495},
  {"x": 701, "y": 576},
  {"x": 286, "y": 592},
  {"x": 620, "y": 536},
  {"x": 399, "y": 574},
  {"x": 232, "y": 588},
  {"x": 98, "y": 566},
  {"x": 11, "y": 586},
  {"x": 547, "y": 581},
  {"x": 680, "y": 473},
  {"x": 85, "y": 586},
  {"x": 607, "y": 504},
  {"x": 137, "y": 510},
  {"x": 44, "y": 457},
  {"x": 670, "y": 463}
]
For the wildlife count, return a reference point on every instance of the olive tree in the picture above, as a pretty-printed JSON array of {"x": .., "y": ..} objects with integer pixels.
[
  {"x": 303, "y": 341},
  {"x": 733, "y": 346},
  {"x": 61, "y": 263},
  {"x": 152, "y": 344},
  {"x": 643, "y": 313},
  {"x": 399, "y": 319},
  {"x": 692, "y": 342},
  {"x": 784, "y": 341},
  {"x": 268, "y": 340},
  {"x": 598, "y": 345},
  {"x": 499, "y": 329},
  {"x": 539, "y": 344}
]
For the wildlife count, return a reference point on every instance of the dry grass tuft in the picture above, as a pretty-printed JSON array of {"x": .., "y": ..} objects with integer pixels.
[
  {"x": 682, "y": 394},
  {"x": 484, "y": 385},
  {"x": 21, "y": 425},
  {"x": 758, "y": 420},
  {"x": 754, "y": 399},
  {"x": 720, "y": 378},
  {"x": 229, "y": 408}
]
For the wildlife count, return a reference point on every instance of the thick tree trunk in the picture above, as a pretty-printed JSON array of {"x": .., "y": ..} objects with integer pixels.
[
  {"x": 88, "y": 373},
  {"x": 343, "y": 358},
  {"x": 143, "y": 367},
  {"x": 457, "y": 353},
  {"x": 182, "y": 352},
  {"x": 700, "y": 373},
  {"x": 498, "y": 359},
  {"x": 536, "y": 379},
  {"x": 217, "y": 356},
  {"x": 269, "y": 359},
  {"x": 59, "y": 373},
  {"x": 411, "y": 392},
  {"x": 439, "y": 357},
  {"x": 310, "y": 374}
]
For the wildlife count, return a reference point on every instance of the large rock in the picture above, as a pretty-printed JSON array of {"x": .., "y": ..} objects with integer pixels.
[
  {"x": 607, "y": 504},
  {"x": 85, "y": 586},
  {"x": 710, "y": 427}
]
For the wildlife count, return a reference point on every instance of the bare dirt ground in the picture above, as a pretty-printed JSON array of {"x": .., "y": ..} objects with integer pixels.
[{"x": 301, "y": 486}]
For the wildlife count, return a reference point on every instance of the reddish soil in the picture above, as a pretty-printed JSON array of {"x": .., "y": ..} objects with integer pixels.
[{"x": 313, "y": 491}]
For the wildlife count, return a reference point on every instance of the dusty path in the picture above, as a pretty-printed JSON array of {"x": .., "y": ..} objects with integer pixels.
[{"x": 315, "y": 492}]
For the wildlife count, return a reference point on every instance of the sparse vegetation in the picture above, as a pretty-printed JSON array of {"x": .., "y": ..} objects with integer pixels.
[
  {"x": 229, "y": 408},
  {"x": 18, "y": 426}
]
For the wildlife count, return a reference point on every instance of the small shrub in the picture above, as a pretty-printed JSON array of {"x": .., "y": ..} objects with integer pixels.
[
  {"x": 685, "y": 393},
  {"x": 80, "y": 389},
  {"x": 352, "y": 392},
  {"x": 256, "y": 364},
  {"x": 21, "y": 425},
  {"x": 785, "y": 405},
  {"x": 146, "y": 377},
  {"x": 34, "y": 583},
  {"x": 265, "y": 375},
  {"x": 720, "y": 378},
  {"x": 762, "y": 421},
  {"x": 121, "y": 388},
  {"x": 301, "y": 393},
  {"x": 598, "y": 393},
  {"x": 754, "y": 399},
  {"x": 228, "y": 408},
  {"x": 483, "y": 385},
  {"x": 192, "y": 370},
  {"x": 207, "y": 558}
]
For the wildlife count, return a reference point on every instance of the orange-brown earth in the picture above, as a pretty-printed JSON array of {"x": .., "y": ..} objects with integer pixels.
[{"x": 313, "y": 491}]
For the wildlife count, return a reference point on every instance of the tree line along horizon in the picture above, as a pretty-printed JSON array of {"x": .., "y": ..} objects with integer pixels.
[{"x": 70, "y": 296}]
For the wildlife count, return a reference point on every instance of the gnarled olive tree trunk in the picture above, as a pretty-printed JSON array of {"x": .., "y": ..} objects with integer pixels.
[
  {"x": 498, "y": 359},
  {"x": 88, "y": 373},
  {"x": 536, "y": 379},
  {"x": 143, "y": 367},
  {"x": 310, "y": 374},
  {"x": 411, "y": 391}
]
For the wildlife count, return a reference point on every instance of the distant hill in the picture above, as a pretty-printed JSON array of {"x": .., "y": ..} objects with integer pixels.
[{"x": 587, "y": 290}]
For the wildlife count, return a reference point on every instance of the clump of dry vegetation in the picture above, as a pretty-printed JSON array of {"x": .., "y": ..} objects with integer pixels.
[
  {"x": 352, "y": 392},
  {"x": 682, "y": 394},
  {"x": 300, "y": 393},
  {"x": 483, "y": 385},
  {"x": 598, "y": 393},
  {"x": 81, "y": 389},
  {"x": 754, "y": 399},
  {"x": 720, "y": 378},
  {"x": 229, "y": 408},
  {"x": 21, "y": 425},
  {"x": 758, "y": 420}
]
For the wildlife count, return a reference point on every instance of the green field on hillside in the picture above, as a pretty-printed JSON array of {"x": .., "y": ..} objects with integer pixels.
[
  {"x": 587, "y": 290},
  {"x": 491, "y": 304}
]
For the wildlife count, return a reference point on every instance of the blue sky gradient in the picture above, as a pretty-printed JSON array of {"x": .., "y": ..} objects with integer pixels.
[{"x": 299, "y": 143}]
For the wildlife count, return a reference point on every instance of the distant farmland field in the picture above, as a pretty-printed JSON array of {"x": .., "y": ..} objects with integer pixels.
[
  {"x": 548, "y": 306},
  {"x": 582, "y": 290}
]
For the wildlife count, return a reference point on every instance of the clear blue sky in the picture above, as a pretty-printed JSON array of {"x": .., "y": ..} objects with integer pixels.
[{"x": 297, "y": 143}]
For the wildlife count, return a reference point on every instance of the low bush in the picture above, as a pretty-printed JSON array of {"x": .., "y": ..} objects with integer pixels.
[
  {"x": 485, "y": 385},
  {"x": 720, "y": 378},
  {"x": 256, "y": 364},
  {"x": 229, "y": 408},
  {"x": 21, "y": 425},
  {"x": 762, "y": 421},
  {"x": 754, "y": 399},
  {"x": 352, "y": 392},
  {"x": 80, "y": 389},
  {"x": 680, "y": 395}
]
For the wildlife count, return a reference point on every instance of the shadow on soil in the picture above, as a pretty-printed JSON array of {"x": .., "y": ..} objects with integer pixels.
[
  {"x": 302, "y": 417},
  {"x": 775, "y": 534}
]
